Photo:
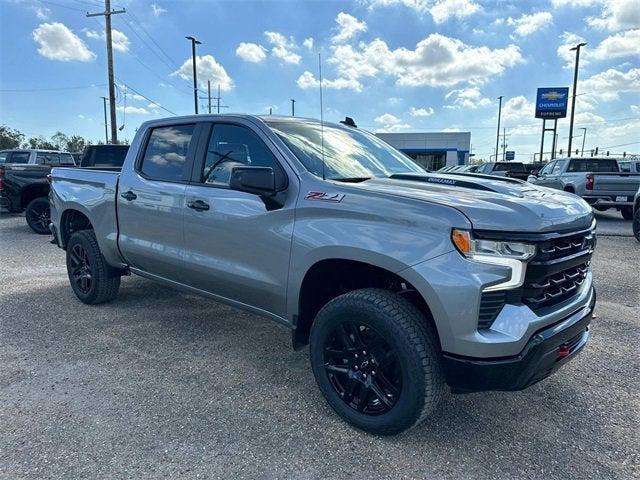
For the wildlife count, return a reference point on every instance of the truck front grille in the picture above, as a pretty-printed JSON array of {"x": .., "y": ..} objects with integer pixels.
[{"x": 555, "y": 274}]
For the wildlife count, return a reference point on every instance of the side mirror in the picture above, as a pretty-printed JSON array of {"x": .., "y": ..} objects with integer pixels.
[
  {"x": 256, "y": 180},
  {"x": 535, "y": 172}
]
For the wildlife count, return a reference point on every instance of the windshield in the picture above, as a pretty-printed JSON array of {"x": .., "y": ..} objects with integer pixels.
[{"x": 348, "y": 153}]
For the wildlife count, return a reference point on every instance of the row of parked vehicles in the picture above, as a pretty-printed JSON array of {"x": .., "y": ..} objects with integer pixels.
[
  {"x": 404, "y": 283},
  {"x": 603, "y": 182},
  {"x": 24, "y": 174}
]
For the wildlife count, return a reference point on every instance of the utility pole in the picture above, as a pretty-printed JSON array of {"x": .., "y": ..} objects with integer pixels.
[
  {"x": 293, "y": 107},
  {"x": 504, "y": 144},
  {"x": 194, "y": 42},
  {"x": 573, "y": 98},
  {"x": 106, "y": 133},
  {"x": 584, "y": 137},
  {"x": 112, "y": 91},
  {"x": 498, "y": 134}
]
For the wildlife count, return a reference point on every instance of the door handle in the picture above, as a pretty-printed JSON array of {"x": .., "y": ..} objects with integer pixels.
[
  {"x": 129, "y": 195},
  {"x": 198, "y": 205}
]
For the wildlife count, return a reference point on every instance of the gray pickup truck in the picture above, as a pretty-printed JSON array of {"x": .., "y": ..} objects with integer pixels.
[
  {"x": 401, "y": 281},
  {"x": 599, "y": 181}
]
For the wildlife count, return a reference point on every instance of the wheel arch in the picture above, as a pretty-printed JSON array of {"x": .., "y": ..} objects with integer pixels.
[
  {"x": 73, "y": 220},
  {"x": 32, "y": 192},
  {"x": 328, "y": 278}
]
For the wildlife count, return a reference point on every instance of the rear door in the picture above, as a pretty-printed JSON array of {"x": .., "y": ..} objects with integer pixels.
[
  {"x": 151, "y": 200},
  {"x": 237, "y": 243}
]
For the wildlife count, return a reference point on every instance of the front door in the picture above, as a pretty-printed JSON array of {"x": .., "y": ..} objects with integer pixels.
[
  {"x": 151, "y": 201},
  {"x": 237, "y": 244}
]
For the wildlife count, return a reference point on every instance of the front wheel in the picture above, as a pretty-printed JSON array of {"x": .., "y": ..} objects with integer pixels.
[
  {"x": 92, "y": 279},
  {"x": 376, "y": 360},
  {"x": 627, "y": 213},
  {"x": 636, "y": 224},
  {"x": 38, "y": 215}
]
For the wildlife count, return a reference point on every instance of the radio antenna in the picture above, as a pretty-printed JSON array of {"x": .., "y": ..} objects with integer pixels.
[{"x": 321, "y": 115}]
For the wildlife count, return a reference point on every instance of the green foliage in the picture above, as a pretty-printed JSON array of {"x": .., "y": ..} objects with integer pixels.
[{"x": 10, "y": 138}]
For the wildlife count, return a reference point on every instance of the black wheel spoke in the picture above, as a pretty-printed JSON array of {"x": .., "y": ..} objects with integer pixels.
[{"x": 362, "y": 367}]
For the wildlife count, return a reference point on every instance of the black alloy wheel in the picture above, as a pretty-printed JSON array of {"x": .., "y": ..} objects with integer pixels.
[
  {"x": 38, "y": 215},
  {"x": 81, "y": 269},
  {"x": 362, "y": 368}
]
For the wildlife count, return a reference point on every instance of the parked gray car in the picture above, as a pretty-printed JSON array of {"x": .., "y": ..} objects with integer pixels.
[
  {"x": 401, "y": 281},
  {"x": 598, "y": 180}
]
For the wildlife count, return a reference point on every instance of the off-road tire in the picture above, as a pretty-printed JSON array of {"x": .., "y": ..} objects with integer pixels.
[
  {"x": 414, "y": 341},
  {"x": 37, "y": 215},
  {"x": 105, "y": 280},
  {"x": 636, "y": 224},
  {"x": 627, "y": 213}
]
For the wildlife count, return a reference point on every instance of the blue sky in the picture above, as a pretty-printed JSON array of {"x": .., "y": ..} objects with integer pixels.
[{"x": 392, "y": 65}]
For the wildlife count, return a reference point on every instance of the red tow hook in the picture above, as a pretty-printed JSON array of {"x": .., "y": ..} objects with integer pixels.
[{"x": 563, "y": 351}]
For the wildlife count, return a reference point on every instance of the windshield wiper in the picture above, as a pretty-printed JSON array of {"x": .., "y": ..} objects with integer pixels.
[{"x": 350, "y": 179}]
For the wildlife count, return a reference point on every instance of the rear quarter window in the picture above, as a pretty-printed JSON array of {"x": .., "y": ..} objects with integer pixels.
[{"x": 592, "y": 165}]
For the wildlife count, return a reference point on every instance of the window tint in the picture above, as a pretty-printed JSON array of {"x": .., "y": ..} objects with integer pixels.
[
  {"x": 105, "y": 156},
  {"x": 234, "y": 146},
  {"x": 19, "y": 157},
  {"x": 166, "y": 152},
  {"x": 66, "y": 159},
  {"x": 502, "y": 167},
  {"x": 592, "y": 165},
  {"x": 547, "y": 169},
  {"x": 558, "y": 166},
  {"x": 3, "y": 156},
  {"x": 46, "y": 158}
]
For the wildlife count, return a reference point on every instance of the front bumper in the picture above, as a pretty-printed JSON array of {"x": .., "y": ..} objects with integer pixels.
[{"x": 545, "y": 352}]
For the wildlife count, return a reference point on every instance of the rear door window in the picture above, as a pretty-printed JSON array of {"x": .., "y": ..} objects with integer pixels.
[
  {"x": 47, "y": 158},
  {"x": 166, "y": 152},
  {"x": 3, "y": 156}
]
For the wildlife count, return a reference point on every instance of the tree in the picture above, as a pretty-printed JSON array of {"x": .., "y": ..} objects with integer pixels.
[
  {"x": 10, "y": 138},
  {"x": 60, "y": 141},
  {"x": 75, "y": 143},
  {"x": 40, "y": 142}
]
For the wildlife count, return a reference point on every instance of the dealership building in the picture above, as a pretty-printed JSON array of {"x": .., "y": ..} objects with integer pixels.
[{"x": 432, "y": 150}]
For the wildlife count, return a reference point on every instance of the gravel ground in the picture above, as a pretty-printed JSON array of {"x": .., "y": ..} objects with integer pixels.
[{"x": 160, "y": 384}]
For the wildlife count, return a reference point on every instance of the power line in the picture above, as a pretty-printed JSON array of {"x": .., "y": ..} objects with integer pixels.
[
  {"x": 135, "y": 19},
  {"x": 146, "y": 98},
  {"x": 52, "y": 89}
]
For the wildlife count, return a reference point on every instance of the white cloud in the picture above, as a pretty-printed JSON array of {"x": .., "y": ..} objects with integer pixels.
[
  {"x": 570, "y": 40},
  {"x": 390, "y": 123},
  {"x": 133, "y": 110},
  {"x": 57, "y": 42},
  {"x": 283, "y": 47},
  {"x": 308, "y": 43},
  {"x": 308, "y": 80},
  {"x": 575, "y": 3},
  {"x": 587, "y": 118},
  {"x": 608, "y": 85},
  {"x": 518, "y": 108},
  {"x": 348, "y": 27},
  {"x": 421, "y": 112},
  {"x": 119, "y": 40},
  {"x": 445, "y": 9},
  {"x": 629, "y": 129},
  {"x": 157, "y": 10},
  {"x": 251, "y": 52},
  {"x": 635, "y": 109},
  {"x": 469, "y": 97},
  {"x": 436, "y": 61},
  {"x": 528, "y": 24},
  {"x": 623, "y": 44},
  {"x": 208, "y": 69},
  {"x": 42, "y": 13},
  {"x": 418, "y": 5},
  {"x": 617, "y": 15}
]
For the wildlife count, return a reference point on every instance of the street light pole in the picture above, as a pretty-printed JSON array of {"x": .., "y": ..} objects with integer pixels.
[
  {"x": 498, "y": 134},
  {"x": 573, "y": 98},
  {"x": 293, "y": 107},
  {"x": 584, "y": 136},
  {"x": 194, "y": 42}
]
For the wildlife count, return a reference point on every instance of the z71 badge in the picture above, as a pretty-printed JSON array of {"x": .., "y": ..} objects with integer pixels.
[{"x": 325, "y": 196}]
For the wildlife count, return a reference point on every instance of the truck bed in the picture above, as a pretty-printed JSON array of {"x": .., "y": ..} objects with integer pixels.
[
  {"x": 619, "y": 187},
  {"x": 93, "y": 192}
]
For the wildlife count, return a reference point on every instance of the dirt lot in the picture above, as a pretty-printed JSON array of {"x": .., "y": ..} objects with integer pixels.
[{"x": 160, "y": 384}]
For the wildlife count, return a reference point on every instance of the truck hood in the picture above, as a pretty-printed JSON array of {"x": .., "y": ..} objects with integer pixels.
[{"x": 492, "y": 203}]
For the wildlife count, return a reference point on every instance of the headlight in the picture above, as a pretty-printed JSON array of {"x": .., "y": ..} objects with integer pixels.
[{"x": 509, "y": 254}]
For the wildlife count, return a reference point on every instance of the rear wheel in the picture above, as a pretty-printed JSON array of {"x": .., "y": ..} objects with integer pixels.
[
  {"x": 92, "y": 279},
  {"x": 601, "y": 208},
  {"x": 627, "y": 213},
  {"x": 38, "y": 216},
  {"x": 636, "y": 224},
  {"x": 377, "y": 361}
]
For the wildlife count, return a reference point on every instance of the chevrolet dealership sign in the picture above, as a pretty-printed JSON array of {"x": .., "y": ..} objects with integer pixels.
[{"x": 552, "y": 102}]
